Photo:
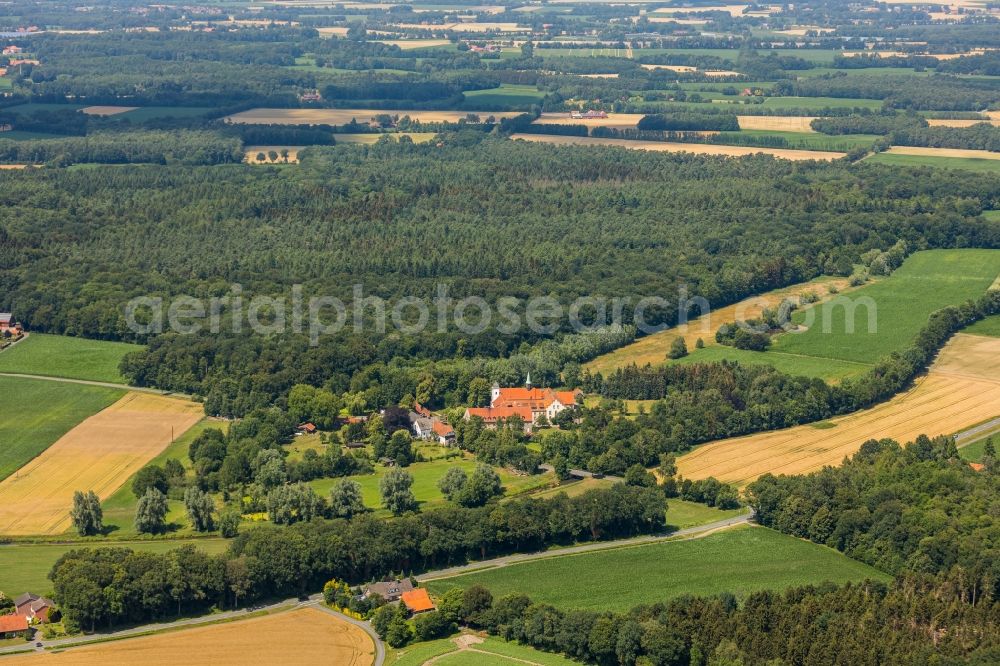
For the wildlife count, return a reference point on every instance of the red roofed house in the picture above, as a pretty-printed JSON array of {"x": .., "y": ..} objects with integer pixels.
[
  {"x": 7, "y": 324},
  {"x": 33, "y": 607},
  {"x": 10, "y": 50},
  {"x": 528, "y": 402},
  {"x": 445, "y": 433},
  {"x": 12, "y": 625},
  {"x": 417, "y": 601},
  {"x": 979, "y": 467},
  {"x": 307, "y": 428}
]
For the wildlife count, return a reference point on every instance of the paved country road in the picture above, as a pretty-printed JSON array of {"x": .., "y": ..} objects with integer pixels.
[
  {"x": 972, "y": 434},
  {"x": 314, "y": 601},
  {"x": 688, "y": 532}
]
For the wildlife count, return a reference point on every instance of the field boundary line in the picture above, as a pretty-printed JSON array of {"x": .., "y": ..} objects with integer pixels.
[
  {"x": 90, "y": 382},
  {"x": 685, "y": 534}
]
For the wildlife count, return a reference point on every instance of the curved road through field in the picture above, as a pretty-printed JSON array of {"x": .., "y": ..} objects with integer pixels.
[{"x": 314, "y": 601}]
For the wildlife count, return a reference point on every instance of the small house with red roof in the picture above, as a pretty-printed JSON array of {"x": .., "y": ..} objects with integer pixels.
[
  {"x": 12, "y": 626},
  {"x": 417, "y": 601}
]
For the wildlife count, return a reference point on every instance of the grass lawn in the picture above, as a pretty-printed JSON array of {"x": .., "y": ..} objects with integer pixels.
[
  {"x": 26, "y": 567},
  {"x": 63, "y": 356},
  {"x": 792, "y": 364},
  {"x": 927, "y": 281},
  {"x": 989, "y": 326},
  {"x": 739, "y": 560},
  {"x": 993, "y": 215},
  {"x": 973, "y": 452},
  {"x": 968, "y": 163},
  {"x": 491, "y": 651},
  {"x": 681, "y": 514},
  {"x": 425, "y": 479},
  {"x": 34, "y": 413}
]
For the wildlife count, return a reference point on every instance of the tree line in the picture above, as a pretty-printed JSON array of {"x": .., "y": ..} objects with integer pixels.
[{"x": 111, "y": 586}]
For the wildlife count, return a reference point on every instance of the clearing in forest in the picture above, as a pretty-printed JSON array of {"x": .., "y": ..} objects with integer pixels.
[
  {"x": 777, "y": 123},
  {"x": 961, "y": 390},
  {"x": 107, "y": 110},
  {"x": 65, "y": 356},
  {"x": 99, "y": 454},
  {"x": 653, "y": 348},
  {"x": 305, "y": 635},
  {"x": 696, "y": 148}
]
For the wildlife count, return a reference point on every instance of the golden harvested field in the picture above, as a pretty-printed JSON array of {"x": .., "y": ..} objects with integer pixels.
[
  {"x": 408, "y": 44},
  {"x": 344, "y": 116},
  {"x": 777, "y": 123},
  {"x": 306, "y": 636},
  {"x": 944, "y": 152},
  {"x": 416, "y": 137},
  {"x": 613, "y": 120},
  {"x": 697, "y": 148},
  {"x": 99, "y": 454},
  {"x": 961, "y": 389},
  {"x": 334, "y": 31},
  {"x": 107, "y": 110},
  {"x": 653, "y": 348},
  {"x": 956, "y": 122},
  {"x": 251, "y": 153}
]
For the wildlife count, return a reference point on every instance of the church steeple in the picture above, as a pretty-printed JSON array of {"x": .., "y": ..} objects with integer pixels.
[{"x": 527, "y": 382}]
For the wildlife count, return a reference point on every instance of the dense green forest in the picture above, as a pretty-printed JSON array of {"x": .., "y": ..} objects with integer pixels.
[{"x": 496, "y": 219}]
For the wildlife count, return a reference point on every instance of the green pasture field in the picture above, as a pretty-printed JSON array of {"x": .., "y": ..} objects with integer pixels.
[
  {"x": 19, "y": 135},
  {"x": 507, "y": 95},
  {"x": 64, "y": 356},
  {"x": 927, "y": 281},
  {"x": 970, "y": 164},
  {"x": 989, "y": 326},
  {"x": 739, "y": 560},
  {"x": 821, "y": 103},
  {"x": 865, "y": 71},
  {"x": 819, "y": 56},
  {"x": 119, "y": 509},
  {"x": 812, "y": 141},
  {"x": 827, "y": 369},
  {"x": 682, "y": 514},
  {"x": 34, "y": 413},
  {"x": 425, "y": 479},
  {"x": 993, "y": 215},
  {"x": 25, "y": 567}
]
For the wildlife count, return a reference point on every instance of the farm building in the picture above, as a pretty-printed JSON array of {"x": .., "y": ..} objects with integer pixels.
[
  {"x": 428, "y": 427},
  {"x": 12, "y": 626},
  {"x": 307, "y": 428},
  {"x": 588, "y": 115},
  {"x": 417, "y": 601},
  {"x": 33, "y": 607},
  {"x": 389, "y": 590},
  {"x": 11, "y": 50},
  {"x": 528, "y": 403},
  {"x": 7, "y": 324}
]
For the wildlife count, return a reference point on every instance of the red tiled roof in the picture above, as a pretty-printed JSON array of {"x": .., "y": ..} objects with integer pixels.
[
  {"x": 490, "y": 414},
  {"x": 417, "y": 600},
  {"x": 442, "y": 428},
  {"x": 979, "y": 467},
  {"x": 9, "y": 623}
]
